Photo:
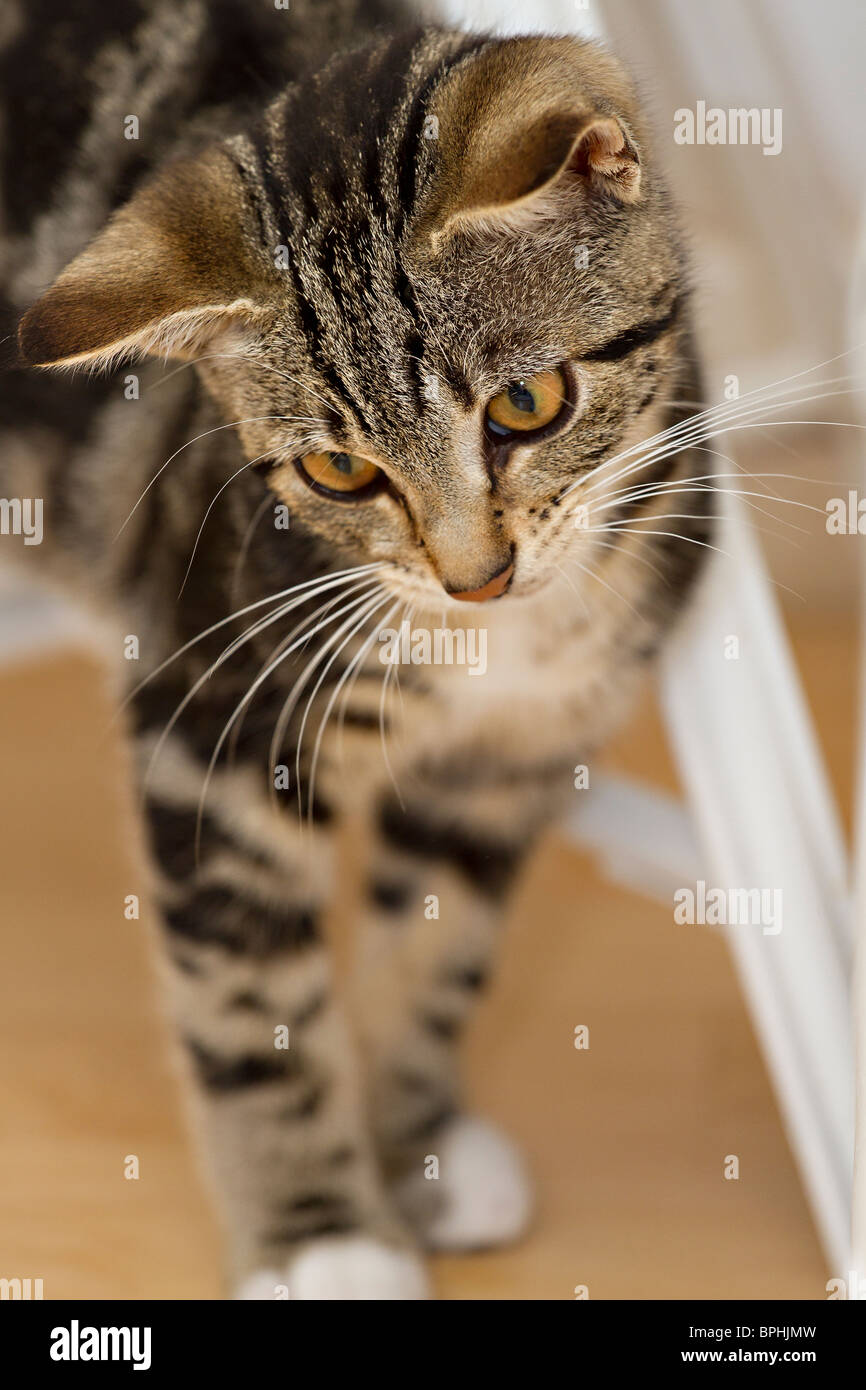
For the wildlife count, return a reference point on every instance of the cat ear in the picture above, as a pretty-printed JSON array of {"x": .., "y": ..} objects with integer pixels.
[
  {"x": 172, "y": 271},
  {"x": 522, "y": 125}
]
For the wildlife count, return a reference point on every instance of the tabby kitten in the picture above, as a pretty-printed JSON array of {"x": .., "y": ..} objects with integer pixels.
[{"x": 422, "y": 288}]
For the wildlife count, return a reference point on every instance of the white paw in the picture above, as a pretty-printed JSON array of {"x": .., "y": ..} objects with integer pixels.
[
  {"x": 351, "y": 1267},
  {"x": 484, "y": 1189}
]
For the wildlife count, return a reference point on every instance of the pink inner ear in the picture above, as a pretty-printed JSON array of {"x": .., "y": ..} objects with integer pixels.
[
  {"x": 595, "y": 147},
  {"x": 603, "y": 154}
]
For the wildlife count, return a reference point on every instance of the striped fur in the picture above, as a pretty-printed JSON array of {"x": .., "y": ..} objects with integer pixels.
[{"x": 335, "y": 270}]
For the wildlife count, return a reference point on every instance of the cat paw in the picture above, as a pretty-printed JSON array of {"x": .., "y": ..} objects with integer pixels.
[
  {"x": 351, "y": 1267},
  {"x": 482, "y": 1197}
]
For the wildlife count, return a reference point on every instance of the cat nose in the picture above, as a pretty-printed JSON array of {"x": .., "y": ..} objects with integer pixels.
[{"x": 494, "y": 588}]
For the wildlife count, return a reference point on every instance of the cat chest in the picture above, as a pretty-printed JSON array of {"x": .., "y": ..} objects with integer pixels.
[{"x": 479, "y": 671}]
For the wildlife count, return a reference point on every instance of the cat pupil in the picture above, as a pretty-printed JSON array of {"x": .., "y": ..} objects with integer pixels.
[
  {"x": 342, "y": 462},
  {"x": 521, "y": 397}
]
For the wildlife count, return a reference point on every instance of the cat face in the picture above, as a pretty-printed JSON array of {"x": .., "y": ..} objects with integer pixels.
[{"x": 434, "y": 287}]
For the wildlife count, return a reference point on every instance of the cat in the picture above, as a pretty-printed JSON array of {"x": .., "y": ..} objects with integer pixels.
[{"x": 422, "y": 291}]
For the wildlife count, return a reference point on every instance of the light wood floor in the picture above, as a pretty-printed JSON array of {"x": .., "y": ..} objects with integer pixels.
[{"x": 627, "y": 1140}]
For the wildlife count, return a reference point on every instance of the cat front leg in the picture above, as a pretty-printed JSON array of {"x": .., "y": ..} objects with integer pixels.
[
  {"x": 273, "y": 1067},
  {"x": 438, "y": 885}
]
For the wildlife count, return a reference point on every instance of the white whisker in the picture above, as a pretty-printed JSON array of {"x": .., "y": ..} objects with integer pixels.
[
  {"x": 240, "y": 560},
  {"x": 574, "y": 589},
  {"x": 353, "y": 664},
  {"x": 232, "y": 424},
  {"x": 633, "y": 555},
  {"x": 224, "y": 656},
  {"x": 227, "y": 727},
  {"x": 593, "y": 575},
  {"x": 693, "y": 434},
  {"x": 253, "y": 361},
  {"x": 387, "y": 760},
  {"x": 211, "y": 505},
  {"x": 636, "y": 524},
  {"x": 353, "y": 626},
  {"x": 308, "y": 622},
  {"x": 241, "y": 612}
]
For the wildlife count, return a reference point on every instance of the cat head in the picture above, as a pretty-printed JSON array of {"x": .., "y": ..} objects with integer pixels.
[{"x": 435, "y": 286}]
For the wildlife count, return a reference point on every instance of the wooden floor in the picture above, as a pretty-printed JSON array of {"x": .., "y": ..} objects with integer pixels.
[{"x": 628, "y": 1139}]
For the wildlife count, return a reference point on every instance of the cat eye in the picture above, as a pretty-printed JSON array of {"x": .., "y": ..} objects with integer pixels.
[
  {"x": 532, "y": 403},
  {"x": 340, "y": 475}
]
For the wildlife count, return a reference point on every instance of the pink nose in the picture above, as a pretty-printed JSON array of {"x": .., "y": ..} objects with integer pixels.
[{"x": 494, "y": 587}]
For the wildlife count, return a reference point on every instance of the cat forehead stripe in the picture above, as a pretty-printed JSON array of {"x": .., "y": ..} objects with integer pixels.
[{"x": 638, "y": 336}]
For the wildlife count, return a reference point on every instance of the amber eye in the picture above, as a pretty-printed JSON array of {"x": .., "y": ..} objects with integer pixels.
[
  {"x": 528, "y": 404},
  {"x": 343, "y": 474}
]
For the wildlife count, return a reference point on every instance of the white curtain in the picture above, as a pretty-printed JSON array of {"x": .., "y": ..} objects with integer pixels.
[{"x": 774, "y": 236}]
